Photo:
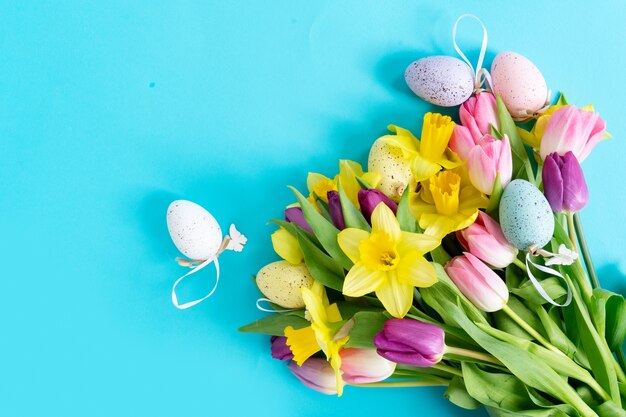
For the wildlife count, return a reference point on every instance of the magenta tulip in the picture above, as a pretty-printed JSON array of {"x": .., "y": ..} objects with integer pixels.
[
  {"x": 317, "y": 374},
  {"x": 479, "y": 113},
  {"x": 488, "y": 158},
  {"x": 335, "y": 210},
  {"x": 483, "y": 287},
  {"x": 295, "y": 215},
  {"x": 280, "y": 350},
  {"x": 364, "y": 366},
  {"x": 564, "y": 183},
  {"x": 485, "y": 240},
  {"x": 369, "y": 199},
  {"x": 410, "y": 342},
  {"x": 572, "y": 129}
]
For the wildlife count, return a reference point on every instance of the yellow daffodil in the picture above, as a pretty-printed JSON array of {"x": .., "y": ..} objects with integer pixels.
[
  {"x": 319, "y": 185},
  {"x": 434, "y": 153},
  {"x": 447, "y": 202},
  {"x": 321, "y": 334},
  {"x": 286, "y": 246},
  {"x": 387, "y": 261}
]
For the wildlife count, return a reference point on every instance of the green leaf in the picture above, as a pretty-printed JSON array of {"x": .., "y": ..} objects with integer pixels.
[
  {"x": 366, "y": 325},
  {"x": 494, "y": 199},
  {"x": 324, "y": 230},
  {"x": 609, "y": 409},
  {"x": 499, "y": 390},
  {"x": 495, "y": 132},
  {"x": 609, "y": 312},
  {"x": 556, "y": 336},
  {"x": 323, "y": 206},
  {"x": 275, "y": 324},
  {"x": 513, "y": 276},
  {"x": 294, "y": 229},
  {"x": 504, "y": 322},
  {"x": 404, "y": 215},
  {"x": 551, "y": 285},
  {"x": 458, "y": 395},
  {"x": 508, "y": 127},
  {"x": 323, "y": 268},
  {"x": 440, "y": 255},
  {"x": 352, "y": 216},
  {"x": 364, "y": 185},
  {"x": 562, "y": 101}
]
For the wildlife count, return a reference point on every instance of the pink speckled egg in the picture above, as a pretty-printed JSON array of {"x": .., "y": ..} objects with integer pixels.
[
  {"x": 519, "y": 83},
  {"x": 442, "y": 80}
]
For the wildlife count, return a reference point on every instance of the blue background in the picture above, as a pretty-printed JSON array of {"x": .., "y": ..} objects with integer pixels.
[{"x": 109, "y": 110}]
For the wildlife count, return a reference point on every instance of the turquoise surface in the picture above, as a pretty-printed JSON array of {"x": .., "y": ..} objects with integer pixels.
[{"x": 109, "y": 110}]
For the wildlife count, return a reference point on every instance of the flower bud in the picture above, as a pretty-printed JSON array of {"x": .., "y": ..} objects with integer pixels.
[
  {"x": 564, "y": 183},
  {"x": 369, "y": 199},
  {"x": 479, "y": 113},
  {"x": 317, "y": 374},
  {"x": 485, "y": 240},
  {"x": 295, "y": 215},
  {"x": 363, "y": 366},
  {"x": 489, "y": 157},
  {"x": 572, "y": 129},
  {"x": 410, "y": 342},
  {"x": 335, "y": 210},
  {"x": 280, "y": 350},
  {"x": 483, "y": 287}
]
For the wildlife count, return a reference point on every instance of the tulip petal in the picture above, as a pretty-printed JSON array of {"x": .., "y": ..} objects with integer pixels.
[
  {"x": 383, "y": 220},
  {"x": 553, "y": 182},
  {"x": 575, "y": 192},
  {"x": 396, "y": 297},
  {"x": 362, "y": 280},
  {"x": 349, "y": 240}
]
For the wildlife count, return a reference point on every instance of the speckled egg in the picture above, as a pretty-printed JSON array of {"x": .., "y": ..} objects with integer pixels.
[
  {"x": 519, "y": 83},
  {"x": 194, "y": 231},
  {"x": 395, "y": 171},
  {"x": 441, "y": 80},
  {"x": 525, "y": 215},
  {"x": 281, "y": 282}
]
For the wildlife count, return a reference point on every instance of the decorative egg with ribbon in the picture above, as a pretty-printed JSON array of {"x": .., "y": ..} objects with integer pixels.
[
  {"x": 520, "y": 84},
  {"x": 442, "y": 80},
  {"x": 281, "y": 282},
  {"x": 525, "y": 215}
]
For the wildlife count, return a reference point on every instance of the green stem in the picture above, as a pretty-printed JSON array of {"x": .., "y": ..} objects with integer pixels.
[
  {"x": 621, "y": 359},
  {"x": 534, "y": 333},
  {"x": 448, "y": 369},
  {"x": 520, "y": 264},
  {"x": 571, "y": 230},
  {"x": 420, "y": 383},
  {"x": 584, "y": 250},
  {"x": 485, "y": 357}
]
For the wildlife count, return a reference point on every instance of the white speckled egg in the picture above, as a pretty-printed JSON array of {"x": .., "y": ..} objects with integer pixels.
[
  {"x": 442, "y": 80},
  {"x": 519, "y": 83},
  {"x": 281, "y": 282},
  {"x": 194, "y": 231},
  {"x": 525, "y": 215},
  {"x": 394, "y": 170}
]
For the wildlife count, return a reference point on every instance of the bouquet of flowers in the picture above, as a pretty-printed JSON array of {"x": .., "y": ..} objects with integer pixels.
[{"x": 456, "y": 259}]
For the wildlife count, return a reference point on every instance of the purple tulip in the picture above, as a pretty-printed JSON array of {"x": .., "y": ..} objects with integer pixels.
[
  {"x": 369, "y": 199},
  {"x": 280, "y": 350},
  {"x": 334, "y": 208},
  {"x": 564, "y": 183},
  {"x": 295, "y": 215},
  {"x": 317, "y": 374},
  {"x": 410, "y": 342}
]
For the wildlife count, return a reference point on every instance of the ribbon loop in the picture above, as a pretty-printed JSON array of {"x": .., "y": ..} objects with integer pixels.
[
  {"x": 538, "y": 286},
  {"x": 273, "y": 310},
  {"x": 188, "y": 304},
  {"x": 480, "y": 74}
]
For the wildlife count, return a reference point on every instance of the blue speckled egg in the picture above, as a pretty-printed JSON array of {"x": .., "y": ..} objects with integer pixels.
[
  {"x": 525, "y": 215},
  {"x": 442, "y": 80}
]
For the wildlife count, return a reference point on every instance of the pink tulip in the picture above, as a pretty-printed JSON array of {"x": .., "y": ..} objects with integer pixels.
[
  {"x": 317, "y": 374},
  {"x": 363, "y": 366},
  {"x": 489, "y": 157},
  {"x": 479, "y": 113},
  {"x": 485, "y": 240},
  {"x": 572, "y": 129},
  {"x": 483, "y": 287},
  {"x": 461, "y": 141}
]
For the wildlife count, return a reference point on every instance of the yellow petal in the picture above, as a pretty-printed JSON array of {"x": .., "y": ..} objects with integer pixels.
[
  {"x": 403, "y": 140},
  {"x": 436, "y": 224},
  {"x": 335, "y": 363},
  {"x": 372, "y": 178},
  {"x": 333, "y": 314},
  {"x": 314, "y": 302},
  {"x": 302, "y": 343},
  {"x": 348, "y": 170},
  {"x": 287, "y": 247},
  {"x": 416, "y": 271},
  {"x": 396, "y": 297},
  {"x": 361, "y": 280},
  {"x": 349, "y": 240},
  {"x": 422, "y": 168},
  {"x": 419, "y": 243},
  {"x": 383, "y": 220}
]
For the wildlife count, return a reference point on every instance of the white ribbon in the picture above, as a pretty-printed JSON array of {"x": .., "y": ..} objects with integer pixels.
[
  {"x": 212, "y": 259},
  {"x": 267, "y": 310},
  {"x": 481, "y": 75},
  {"x": 538, "y": 286}
]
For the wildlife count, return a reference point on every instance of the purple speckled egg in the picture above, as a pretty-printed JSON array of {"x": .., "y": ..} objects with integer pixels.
[
  {"x": 519, "y": 83},
  {"x": 441, "y": 80}
]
